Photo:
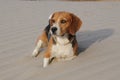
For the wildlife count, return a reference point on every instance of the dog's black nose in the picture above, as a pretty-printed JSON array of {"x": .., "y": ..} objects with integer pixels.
[{"x": 53, "y": 29}]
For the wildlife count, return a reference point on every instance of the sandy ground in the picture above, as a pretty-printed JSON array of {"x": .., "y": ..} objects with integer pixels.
[{"x": 99, "y": 41}]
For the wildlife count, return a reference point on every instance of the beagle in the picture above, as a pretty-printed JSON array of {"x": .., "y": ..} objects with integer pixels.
[{"x": 59, "y": 37}]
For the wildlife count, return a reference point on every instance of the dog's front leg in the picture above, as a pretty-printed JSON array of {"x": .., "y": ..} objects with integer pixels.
[
  {"x": 37, "y": 48},
  {"x": 42, "y": 41},
  {"x": 47, "y": 58},
  {"x": 48, "y": 55}
]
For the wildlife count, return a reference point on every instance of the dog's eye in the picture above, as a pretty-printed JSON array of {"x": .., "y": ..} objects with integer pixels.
[{"x": 63, "y": 21}]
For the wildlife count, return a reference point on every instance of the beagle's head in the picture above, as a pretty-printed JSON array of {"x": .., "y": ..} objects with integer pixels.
[{"x": 64, "y": 22}]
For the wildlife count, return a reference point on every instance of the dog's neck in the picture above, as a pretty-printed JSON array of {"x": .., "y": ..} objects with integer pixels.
[{"x": 63, "y": 40}]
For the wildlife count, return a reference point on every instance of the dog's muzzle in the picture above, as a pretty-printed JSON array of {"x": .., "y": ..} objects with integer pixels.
[{"x": 54, "y": 30}]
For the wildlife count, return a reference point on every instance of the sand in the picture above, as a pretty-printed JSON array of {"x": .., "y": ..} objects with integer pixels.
[{"x": 21, "y": 22}]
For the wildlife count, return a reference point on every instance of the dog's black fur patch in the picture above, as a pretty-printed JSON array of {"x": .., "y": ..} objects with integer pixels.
[
  {"x": 47, "y": 31},
  {"x": 72, "y": 39}
]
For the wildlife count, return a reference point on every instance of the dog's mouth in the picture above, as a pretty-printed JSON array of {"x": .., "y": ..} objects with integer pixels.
[{"x": 58, "y": 35}]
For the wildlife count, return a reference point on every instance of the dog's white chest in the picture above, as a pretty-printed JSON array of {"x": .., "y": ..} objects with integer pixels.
[{"x": 62, "y": 49}]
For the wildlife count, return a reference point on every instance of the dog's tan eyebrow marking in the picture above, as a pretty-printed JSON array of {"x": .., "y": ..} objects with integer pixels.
[{"x": 64, "y": 19}]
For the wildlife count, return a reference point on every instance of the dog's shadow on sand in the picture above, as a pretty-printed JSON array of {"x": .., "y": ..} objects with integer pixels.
[{"x": 87, "y": 38}]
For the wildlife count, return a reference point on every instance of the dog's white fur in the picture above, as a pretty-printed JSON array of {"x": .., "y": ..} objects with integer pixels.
[
  {"x": 37, "y": 48},
  {"x": 45, "y": 62},
  {"x": 63, "y": 48}
]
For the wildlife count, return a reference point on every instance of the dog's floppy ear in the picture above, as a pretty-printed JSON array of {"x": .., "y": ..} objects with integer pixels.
[
  {"x": 75, "y": 24},
  {"x": 51, "y": 16}
]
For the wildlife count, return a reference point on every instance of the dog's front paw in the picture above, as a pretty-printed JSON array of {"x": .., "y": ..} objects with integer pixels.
[
  {"x": 35, "y": 53},
  {"x": 45, "y": 62}
]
